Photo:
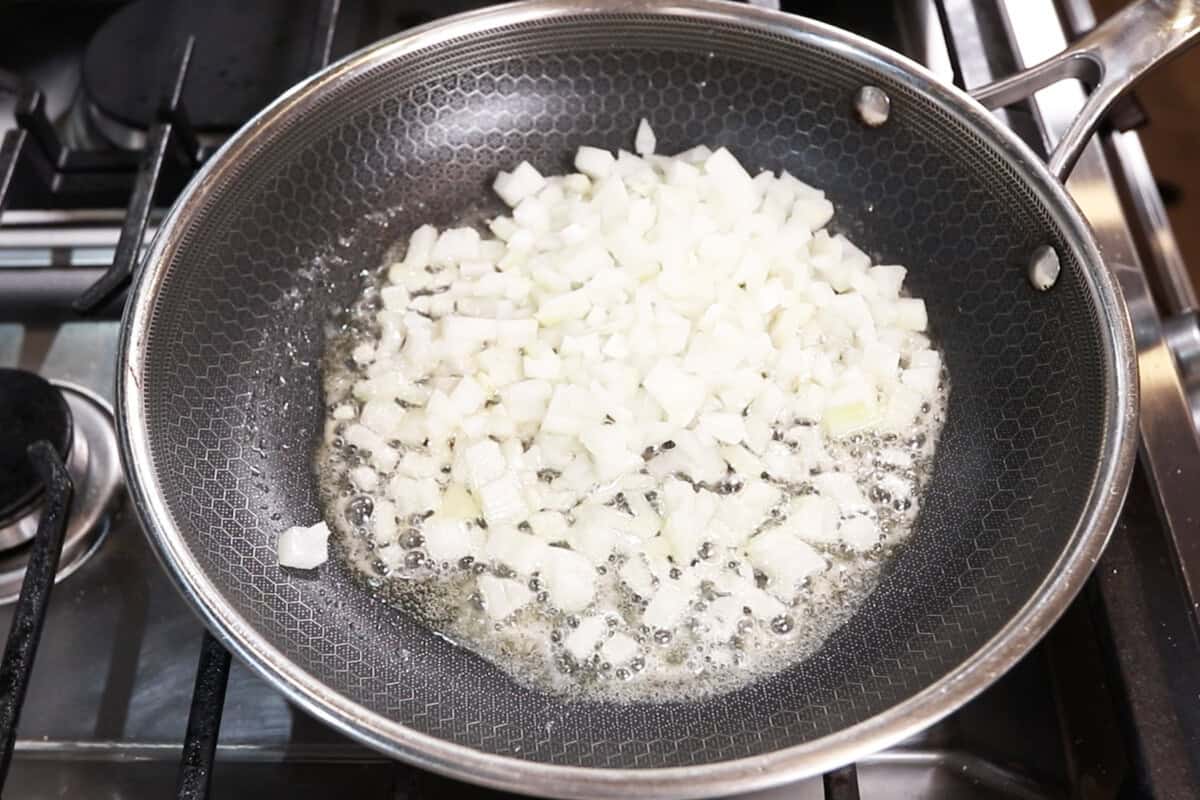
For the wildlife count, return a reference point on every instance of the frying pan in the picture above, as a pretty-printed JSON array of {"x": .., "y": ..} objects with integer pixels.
[{"x": 220, "y": 389}]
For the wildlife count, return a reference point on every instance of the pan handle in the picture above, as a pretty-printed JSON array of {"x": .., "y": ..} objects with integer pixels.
[{"x": 1111, "y": 58}]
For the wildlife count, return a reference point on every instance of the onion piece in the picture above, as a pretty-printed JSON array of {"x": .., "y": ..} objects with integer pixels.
[
  {"x": 645, "y": 141},
  {"x": 304, "y": 547},
  {"x": 503, "y": 597},
  {"x": 645, "y": 378}
]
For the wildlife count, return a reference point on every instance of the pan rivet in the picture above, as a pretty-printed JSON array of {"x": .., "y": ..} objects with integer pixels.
[
  {"x": 1044, "y": 268},
  {"x": 873, "y": 106}
]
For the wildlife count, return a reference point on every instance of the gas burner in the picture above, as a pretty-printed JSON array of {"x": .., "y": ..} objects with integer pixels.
[
  {"x": 80, "y": 427},
  {"x": 245, "y": 55}
]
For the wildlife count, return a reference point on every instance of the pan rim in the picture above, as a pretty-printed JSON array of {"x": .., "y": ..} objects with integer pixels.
[{"x": 393, "y": 738}]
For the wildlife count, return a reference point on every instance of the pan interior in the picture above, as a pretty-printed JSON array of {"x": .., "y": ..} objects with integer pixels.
[{"x": 279, "y": 240}]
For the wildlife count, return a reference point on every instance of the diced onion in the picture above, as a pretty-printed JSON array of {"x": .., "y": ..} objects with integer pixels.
[
  {"x": 304, "y": 548},
  {"x": 645, "y": 370}
]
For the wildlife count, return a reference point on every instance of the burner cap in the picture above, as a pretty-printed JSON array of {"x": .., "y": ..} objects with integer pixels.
[{"x": 30, "y": 409}]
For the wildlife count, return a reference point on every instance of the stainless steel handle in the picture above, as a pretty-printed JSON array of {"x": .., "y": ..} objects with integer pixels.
[{"x": 1111, "y": 59}]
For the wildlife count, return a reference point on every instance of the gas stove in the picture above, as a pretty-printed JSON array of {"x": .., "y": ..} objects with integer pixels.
[{"x": 106, "y": 110}]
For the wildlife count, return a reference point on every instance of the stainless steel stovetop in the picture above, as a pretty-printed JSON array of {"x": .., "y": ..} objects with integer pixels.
[{"x": 1107, "y": 706}]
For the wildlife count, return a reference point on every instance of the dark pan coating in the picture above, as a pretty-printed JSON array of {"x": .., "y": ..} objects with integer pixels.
[{"x": 233, "y": 403}]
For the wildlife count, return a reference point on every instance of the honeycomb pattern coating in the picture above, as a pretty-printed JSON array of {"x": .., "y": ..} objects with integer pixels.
[{"x": 233, "y": 394}]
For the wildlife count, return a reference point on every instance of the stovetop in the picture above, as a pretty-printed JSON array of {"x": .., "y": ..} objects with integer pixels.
[{"x": 1107, "y": 706}]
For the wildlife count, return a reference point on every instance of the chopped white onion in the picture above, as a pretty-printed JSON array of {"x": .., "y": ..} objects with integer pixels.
[
  {"x": 667, "y": 606},
  {"x": 646, "y": 370},
  {"x": 619, "y": 649},
  {"x": 594, "y": 162},
  {"x": 448, "y": 540},
  {"x": 586, "y": 637},
  {"x": 522, "y": 182},
  {"x": 644, "y": 141},
  {"x": 304, "y": 548},
  {"x": 502, "y": 596}
]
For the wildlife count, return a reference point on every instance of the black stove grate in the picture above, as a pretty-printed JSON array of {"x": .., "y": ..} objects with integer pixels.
[
  {"x": 30, "y": 612},
  {"x": 170, "y": 133},
  {"x": 34, "y": 142},
  {"x": 204, "y": 720}
]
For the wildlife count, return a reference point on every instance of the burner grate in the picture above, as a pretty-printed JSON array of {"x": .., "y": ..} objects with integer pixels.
[
  {"x": 171, "y": 127},
  {"x": 172, "y": 140},
  {"x": 204, "y": 720},
  {"x": 30, "y": 612}
]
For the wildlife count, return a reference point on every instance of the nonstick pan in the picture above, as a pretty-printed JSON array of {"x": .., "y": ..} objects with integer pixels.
[{"x": 220, "y": 389}]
